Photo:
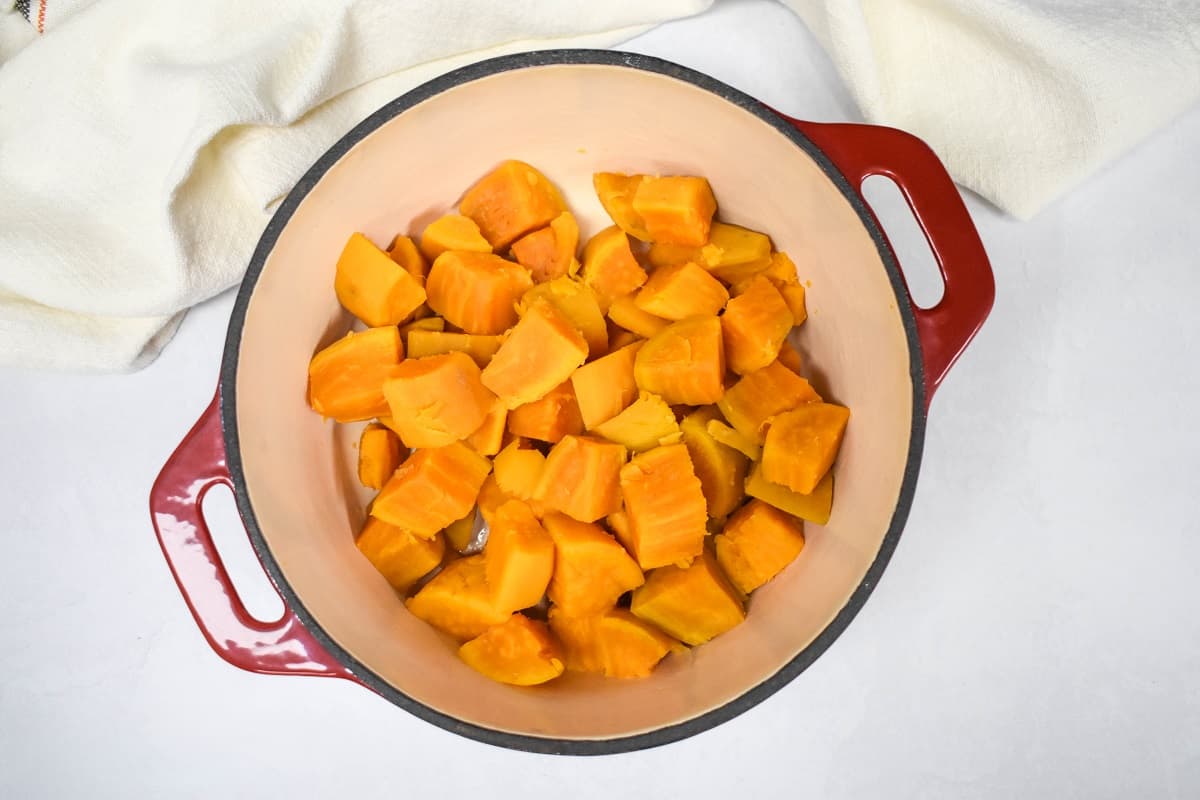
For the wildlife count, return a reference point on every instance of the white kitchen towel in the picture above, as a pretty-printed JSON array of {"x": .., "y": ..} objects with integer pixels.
[{"x": 142, "y": 144}]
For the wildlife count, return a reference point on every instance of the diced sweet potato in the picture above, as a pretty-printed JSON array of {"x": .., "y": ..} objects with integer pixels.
[
  {"x": 754, "y": 326},
  {"x": 457, "y": 600},
  {"x": 480, "y": 348},
  {"x": 666, "y": 506},
  {"x": 762, "y": 394},
  {"x": 730, "y": 437},
  {"x": 693, "y": 603},
  {"x": 520, "y": 652},
  {"x": 577, "y": 303},
  {"x": 782, "y": 273},
  {"x": 519, "y": 557},
  {"x": 460, "y": 533},
  {"x": 815, "y": 507},
  {"x": 609, "y": 266},
  {"x": 345, "y": 380},
  {"x": 676, "y": 209},
  {"x": 757, "y": 543},
  {"x": 621, "y": 527},
  {"x": 591, "y": 569},
  {"x": 732, "y": 253},
  {"x": 789, "y": 356},
  {"x": 378, "y": 455},
  {"x": 541, "y": 351},
  {"x": 519, "y": 470},
  {"x": 432, "y": 488},
  {"x": 614, "y": 643},
  {"x": 683, "y": 363},
  {"x": 801, "y": 445},
  {"x": 437, "y": 400},
  {"x": 580, "y": 478},
  {"x": 423, "y": 324},
  {"x": 452, "y": 232},
  {"x": 549, "y": 419},
  {"x": 616, "y": 193},
  {"x": 510, "y": 201},
  {"x": 721, "y": 469},
  {"x": 641, "y": 426},
  {"x": 405, "y": 253},
  {"x": 402, "y": 558},
  {"x": 477, "y": 292},
  {"x": 373, "y": 287},
  {"x": 681, "y": 291},
  {"x": 625, "y": 312},
  {"x": 604, "y": 387},
  {"x": 488, "y": 438},
  {"x": 549, "y": 252}
]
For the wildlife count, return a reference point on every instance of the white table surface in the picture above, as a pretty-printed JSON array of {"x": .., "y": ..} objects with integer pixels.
[{"x": 1036, "y": 635}]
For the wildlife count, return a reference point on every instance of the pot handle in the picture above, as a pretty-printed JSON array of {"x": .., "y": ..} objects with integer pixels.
[
  {"x": 859, "y": 151},
  {"x": 280, "y": 647}
]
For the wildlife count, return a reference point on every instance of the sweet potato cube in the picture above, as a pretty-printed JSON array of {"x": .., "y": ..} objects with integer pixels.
[
  {"x": 577, "y": 303},
  {"x": 732, "y": 253},
  {"x": 814, "y": 507},
  {"x": 683, "y": 363},
  {"x": 520, "y": 652},
  {"x": 626, "y": 313},
  {"x": 458, "y": 601},
  {"x": 720, "y": 469},
  {"x": 604, "y": 387},
  {"x": 801, "y": 445},
  {"x": 480, "y": 348},
  {"x": 399, "y": 556},
  {"x": 676, "y": 209},
  {"x": 549, "y": 252},
  {"x": 614, "y": 643},
  {"x": 549, "y": 419},
  {"x": 378, "y": 455},
  {"x": 488, "y": 438},
  {"x": 782, "y": 272},
  {"x": 762, "y": 394},
  {"x": 373, "y": 287},
  {"x": 541, "y": 351},
  {"x": 641, "y": 426},
  {"x": 591, "y": 569},
  {"x": 345, "y": 380},
  {"x": 693, "y": 603},
  {"x": 460, "y": 534},
  {"x": 424, "y": 324},
  {"x": 755, "y": 325},
  {"x": 681, "y": 291},
  {"x": 609, "y": 266},
  {"x": 666, "y": 506},
  {"x": 519, "y": 557},
  {"x": 580, "y": 478},
  {"x": 616, "y": 193},
  {"x": 452, "y": 232},
  {"x": 510, "y": 201},
  {"x": 730, "y": 437},
  {"x": 432, "y": 488},
  {"x": 477, "y": 292},
  {"x": 437, "y": 400},
  {"x": 404, "y": 252},
  {"x": 519, "y": 470},
  {"x": 621, "y": 527},
  {"x": 789, "y": 356},
  {"x": 757, "y": 543},
  {"x": 491, "y": 497}
]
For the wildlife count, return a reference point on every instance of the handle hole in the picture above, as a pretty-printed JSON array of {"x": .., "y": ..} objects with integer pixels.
[
  {"x": 228, "y": 532},
  {"x": 917, "y": 263}
]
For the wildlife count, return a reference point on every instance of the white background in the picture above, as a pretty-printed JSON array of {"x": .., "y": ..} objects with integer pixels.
[{"x": 1036, "y": 635}]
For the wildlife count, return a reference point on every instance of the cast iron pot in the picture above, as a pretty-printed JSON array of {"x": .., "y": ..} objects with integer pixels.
[{"x": 570, "y": 113}]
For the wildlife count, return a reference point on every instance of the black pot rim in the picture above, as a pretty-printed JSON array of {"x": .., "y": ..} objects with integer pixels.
[{"x": 536, "y": 744}]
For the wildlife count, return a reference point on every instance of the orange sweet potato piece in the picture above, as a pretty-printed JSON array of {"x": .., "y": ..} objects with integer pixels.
[
  {"x": 424, "y": 324},
  {"x": 457, "y": 600},
  {"x": 431, "y": 489},
  {"x": 519, "y": 557},
  {"x": 693, "y": 603},
  {"x": 720, "y": 469},
  {"x": 373, "y": 287},
  {"x": 621, "y": 527},
  {"x": 345, "y": 380},
  {"x": 609, "y": 266},
  {"x": 518, "y": 471},
  {"x": 510, "y": 201},
  {"x": 476, "y": 292},
  {"x": 681, "y": 291},
  {"x": 666, "y": 506},
  {"x": 489, "y": 436},
  {"x": 646, "y": 423},
  {"x": 398, "y": 555},
  {"x": 378, "y": 455},
  {"x": 580, "y": 478},
  {"x": 626, "y": 313},
  {"x": 815, "y": 507},
  {"x": 404, "y": 252},
  {"x": 801, "y": 445},
  {"x": 577, "y": 303},
  {"x": 460, "y": 534},
  {"x": 549, "y": 252},
  {"x": 762, "y": 394},
  {"x": 616, "y": 193},
  {"x": 480, "y": 348},
  {"x": 755, "y": 325},
  {"x": 730, "y": 437},
  {"x": 782, "y": 272},
  {"x": 520, "y": 651},
  {"x": 757, "y": 543},
  {"x": 541, "y": 351},
  {"x": 789, "y": 356},
  {"x": 732, "y": 253},
  {"x": 683, "y": 363},
  {"x": 676, "y": 209},
  {"x": 604, "y": 387},
  {"x": 549, "y": 419},
  {"x": 591, "y": 569},
  {"x": 437, "y": 400},
  {"x": 452, "y": 232},
  {"x": 614, "y": 643}
]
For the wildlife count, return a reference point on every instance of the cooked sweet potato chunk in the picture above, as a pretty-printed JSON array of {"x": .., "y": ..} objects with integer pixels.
[
  {"x": 802, "y": 443},
  {"x": 457, "y": 600},
  {"x": 683, "y": 363},
  {"x": 609, "y": 266},
  {"x": 477, "y": 292},
  {"x": 345, "y": 380},
  {"x": 754, "y": 326},
  {"x": 591, "y": 569},
  {"x": 520, "y": 651},
  {"x": 681, "y": 291},
  {"x": 452, "y": 232},
  {"x": 437, "y": 400},
  {"x": 519, "y": 557},
  {"x": 541, "y": 351},
  {"x": 510, "y": 201},
  {"x": 432, "y": 488},
  {"x": 666, "y": 506},
  {"x": 762, "y": 394},
  {"x": 692, "y": 603},
  {"x": 757, "y": 543},
  {"x": 399, "y": 556},
  {"x": 549, "y": 252},
  {"x": 378, "y": 455},
  {"x": 373, "y": 287},
  {"x": 676, "y": 209},
  {"x": 580, "y": 478}
]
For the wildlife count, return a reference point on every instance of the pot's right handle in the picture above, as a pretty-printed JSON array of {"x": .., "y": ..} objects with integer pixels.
[{"x": 859, "y": 151}]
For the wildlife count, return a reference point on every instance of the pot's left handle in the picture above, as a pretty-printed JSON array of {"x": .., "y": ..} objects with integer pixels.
[{"x": 279, "y": 647}]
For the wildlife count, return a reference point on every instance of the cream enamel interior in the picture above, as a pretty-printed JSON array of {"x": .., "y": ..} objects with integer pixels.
[{"x": 570, "y": 121}]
